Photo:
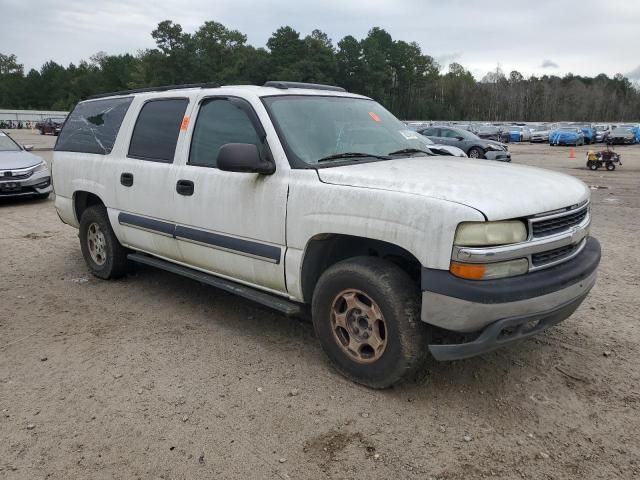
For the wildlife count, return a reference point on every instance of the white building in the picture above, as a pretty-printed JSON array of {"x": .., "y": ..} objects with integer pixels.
[{"x": 28, "y": 118}]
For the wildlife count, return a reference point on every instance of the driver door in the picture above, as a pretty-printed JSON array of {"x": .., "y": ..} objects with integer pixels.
[{"x": 232, "y": 223}]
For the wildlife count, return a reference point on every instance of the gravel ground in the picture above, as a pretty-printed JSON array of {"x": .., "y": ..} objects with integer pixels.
[{"x": 156, "y": 376}]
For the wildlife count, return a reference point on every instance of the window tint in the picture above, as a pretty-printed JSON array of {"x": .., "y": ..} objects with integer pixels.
[
  {"x": 219, "y": 122},
  {"x": 445, "y": 132},
  {"x": 431, "y": 132},
  {"x": 93, "y": 126},
  {"x": 156, "y": 132}
]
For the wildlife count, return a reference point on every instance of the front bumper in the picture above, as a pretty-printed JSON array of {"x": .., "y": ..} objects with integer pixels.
[
  {"x": 498, "y": 155},
  {"x": 490, "y": 309},
  {"x": 37, "y": 184},
  {"x": 621, "y": 140}
]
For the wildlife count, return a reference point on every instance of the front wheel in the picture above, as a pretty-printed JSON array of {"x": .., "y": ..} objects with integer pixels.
[
  {"x": 366, "y": 314},
  {"x": 103, "y": 253},
  {"x": 475, "y": 152},
  {"x": 611, "y": 167}
]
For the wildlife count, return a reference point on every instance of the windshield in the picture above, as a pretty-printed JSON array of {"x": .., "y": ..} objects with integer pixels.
[
  {"x": 622, "y": 130},
  {"x": 7, "y": 144},
  {"x": 315, "y": 127},
  {"x": 487, "y": 130}
]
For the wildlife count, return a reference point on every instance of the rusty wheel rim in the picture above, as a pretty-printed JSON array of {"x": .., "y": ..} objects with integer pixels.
[{"x": 358, "y": 326}]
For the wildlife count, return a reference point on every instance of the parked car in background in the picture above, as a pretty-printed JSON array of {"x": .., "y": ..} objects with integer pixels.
[
  {"x": 470, "y": 143},
  {"x": 623, "y": 135},
  {"x": 566, "y": 136},
  {"x": 588, "y": 132},
  {"x": 440, "y": 149},
  {"x": 518, "y": 133},
  {"x": 491, "y": 132},
  {"x": 601, "y": 133},
  {"x": 22, "y": 174},
  {"x": 540, "y": 133},
  {"x": 51, "y": 126}
]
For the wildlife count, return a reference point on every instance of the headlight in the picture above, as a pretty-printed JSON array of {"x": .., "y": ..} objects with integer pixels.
[
  {"x": 489, "y": 271},
  {"x": 40, "y": 167},
  {"x": 482, "y": 234},
  {"x": 491, "y": 146}
]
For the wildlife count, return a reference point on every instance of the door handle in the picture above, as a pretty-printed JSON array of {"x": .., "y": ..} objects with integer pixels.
[
  {"x": 184, "y": 187},
  {"x": 126, "y": 179}
]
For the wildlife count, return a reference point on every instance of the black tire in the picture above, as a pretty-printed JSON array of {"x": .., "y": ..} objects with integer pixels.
[
  {"x": 475, "y": 152},
  {"x": 398, "y": 300},
  {"x": 115, "y": 263},
  {"x": 592, "y": 165},
  {"x": 610, "y": 166}
]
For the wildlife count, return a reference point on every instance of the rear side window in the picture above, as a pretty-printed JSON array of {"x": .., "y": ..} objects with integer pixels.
[
  {"x": 93, "y": 126},
  {"x": 219, "y": 122},
  {"x": 156, "y": 132}
]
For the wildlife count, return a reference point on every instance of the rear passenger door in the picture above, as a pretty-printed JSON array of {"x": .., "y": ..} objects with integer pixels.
[
  {"x": 145, "y": 182},
  {"x": 231, "y": 224}
]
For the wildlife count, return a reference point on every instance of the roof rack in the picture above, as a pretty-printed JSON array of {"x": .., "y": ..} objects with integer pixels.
[
  {"x": 310, "y": 86},
  {"x": 162, "y": 88}
]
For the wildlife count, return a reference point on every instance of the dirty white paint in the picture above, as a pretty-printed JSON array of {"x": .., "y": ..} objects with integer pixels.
[{"x": 414, "y": 203}]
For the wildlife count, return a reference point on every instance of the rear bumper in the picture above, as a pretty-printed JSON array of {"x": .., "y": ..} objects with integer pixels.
[{"x": 488, "y": 309}]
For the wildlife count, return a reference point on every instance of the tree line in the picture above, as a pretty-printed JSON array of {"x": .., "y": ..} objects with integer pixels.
[{"x": 396, "y": 73}]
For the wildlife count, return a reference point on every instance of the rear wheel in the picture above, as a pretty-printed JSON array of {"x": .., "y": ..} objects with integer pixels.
[
  {"x": 103, "y": 253},
  {"x": 366, "y": 314},
  {"x": 592, "y": 165},
  {"x": 475, "y": 152}
]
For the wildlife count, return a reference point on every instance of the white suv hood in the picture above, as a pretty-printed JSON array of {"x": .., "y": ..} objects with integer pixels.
[{"x": 499, "y": 190}]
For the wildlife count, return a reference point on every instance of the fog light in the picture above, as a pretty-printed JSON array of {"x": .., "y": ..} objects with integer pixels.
[{"x": 488, "y": 271}]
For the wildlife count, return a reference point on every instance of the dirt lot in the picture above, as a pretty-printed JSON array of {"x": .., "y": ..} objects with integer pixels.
[{"x": 156, "y": 376}]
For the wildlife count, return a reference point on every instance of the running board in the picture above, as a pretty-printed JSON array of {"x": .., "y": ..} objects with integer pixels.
[{"x": 283, "y": 305}]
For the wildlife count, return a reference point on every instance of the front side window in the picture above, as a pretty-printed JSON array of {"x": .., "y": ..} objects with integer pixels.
[
  {"x": 155, "y": 135},
  {"x": 93, "y": 126},
  {"x": 313, "y": 128},
  {"x": 219, "y": 122},
  {"x": 7, "y": 144}
]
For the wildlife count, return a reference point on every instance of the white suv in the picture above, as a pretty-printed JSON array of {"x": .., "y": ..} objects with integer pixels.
[{"x": 299, "y": 194}]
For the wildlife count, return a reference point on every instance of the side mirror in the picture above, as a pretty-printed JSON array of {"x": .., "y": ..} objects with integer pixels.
[
  {"x": 27, "y": 148},
  {"x": 243, "y": 157},
  {"x": 459, "y": 138}
]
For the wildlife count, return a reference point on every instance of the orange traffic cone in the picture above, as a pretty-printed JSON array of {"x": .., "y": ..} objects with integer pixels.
[{"x": 572, "y": 152}]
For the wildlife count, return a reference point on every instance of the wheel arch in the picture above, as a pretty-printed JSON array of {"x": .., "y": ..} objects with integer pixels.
[
  {"x": 83, "y": 200},
  {"x": 324, "y": 250}
]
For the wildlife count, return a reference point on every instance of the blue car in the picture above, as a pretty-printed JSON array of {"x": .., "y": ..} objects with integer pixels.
[
  {"x": 588, "y": 131},
  {"x": 517, "y": 133},
  {"x": 567, "y": 136}
]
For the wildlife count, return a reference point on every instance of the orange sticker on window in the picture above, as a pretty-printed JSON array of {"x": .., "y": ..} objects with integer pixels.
[
  {"x": 375, "y": 117},
  {"x": 185, "y": 123}
]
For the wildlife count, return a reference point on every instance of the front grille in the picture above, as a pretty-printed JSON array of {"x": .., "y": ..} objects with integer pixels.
[
  {"x": 11, "y": 178},
  {"x": 544, "y": 258},
  {"x": 555, "y": 225}
]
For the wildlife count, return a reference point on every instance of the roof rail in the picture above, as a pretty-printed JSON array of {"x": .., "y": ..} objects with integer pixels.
[
  {"x": 310, "y": 86},
  {"x": 162, "y": 88}
]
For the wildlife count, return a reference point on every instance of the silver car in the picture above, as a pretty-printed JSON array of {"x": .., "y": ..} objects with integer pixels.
[{"x": 22, "y": 174}]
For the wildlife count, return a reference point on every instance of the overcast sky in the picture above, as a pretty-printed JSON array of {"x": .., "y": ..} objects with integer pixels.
[{"x": 584, "y": 37}]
